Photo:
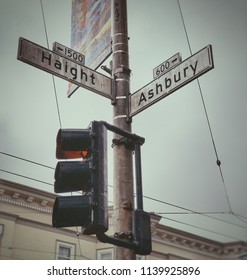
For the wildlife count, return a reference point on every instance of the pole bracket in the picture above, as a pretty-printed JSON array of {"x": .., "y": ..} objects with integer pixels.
[
  {"x": 139, "y": 240},
  {"x": 129, "y": 144},
  {"x": 124, "y": 235},
  {"x": 123, "y": 70},
  {"x": 106, "y": 69}
]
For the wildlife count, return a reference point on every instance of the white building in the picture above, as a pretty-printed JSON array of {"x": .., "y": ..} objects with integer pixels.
[{"x": 26, "y": 233}]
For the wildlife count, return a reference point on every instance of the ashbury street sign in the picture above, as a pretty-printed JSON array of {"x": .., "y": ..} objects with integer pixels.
[
  {"x": 180, "y": 75},
  {"x": 64, "y": 68}
]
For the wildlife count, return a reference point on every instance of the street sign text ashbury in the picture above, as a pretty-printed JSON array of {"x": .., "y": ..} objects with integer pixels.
[
  {"x": 185, "y": 72},
  {"x": 64, "y": 68}
]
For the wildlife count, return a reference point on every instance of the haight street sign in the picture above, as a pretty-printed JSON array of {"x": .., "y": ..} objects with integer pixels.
[
  {"x": 64, "y": 68},
  {"x": 188, "y": 70}
]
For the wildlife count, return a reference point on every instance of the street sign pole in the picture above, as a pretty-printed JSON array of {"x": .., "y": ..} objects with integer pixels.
[{"x": 123, "y": 165}]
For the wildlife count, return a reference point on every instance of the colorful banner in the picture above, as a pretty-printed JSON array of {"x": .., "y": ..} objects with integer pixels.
[{"x": 91, "y": 31}]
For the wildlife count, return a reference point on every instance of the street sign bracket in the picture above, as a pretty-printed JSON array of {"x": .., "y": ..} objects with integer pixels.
[
  {"x": 128, "y": 117},
  {"x": 106, "y": 69},
  {"x": 113, "y": 99}
]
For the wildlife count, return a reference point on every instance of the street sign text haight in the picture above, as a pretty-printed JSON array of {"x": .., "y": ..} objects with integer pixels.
[
  {"x": 180, "y": 75},
  {"x": 64, "y": 68}
]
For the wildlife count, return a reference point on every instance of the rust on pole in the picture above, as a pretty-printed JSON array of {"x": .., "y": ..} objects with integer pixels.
[{"x": 123, "y": 162}]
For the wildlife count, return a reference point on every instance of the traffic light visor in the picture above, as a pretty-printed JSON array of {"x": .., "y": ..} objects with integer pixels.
[
  {"x": 71, "y": 211},
  {"x": 72, "y": 176},
  {"x": 73, "y": 143}
]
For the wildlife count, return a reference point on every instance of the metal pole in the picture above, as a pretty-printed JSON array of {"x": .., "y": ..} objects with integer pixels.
[
  {"x": 138, "y": 169},
  {"x": 123, "y": 162}
]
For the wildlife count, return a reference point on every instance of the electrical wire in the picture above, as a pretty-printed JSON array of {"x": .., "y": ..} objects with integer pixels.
[
  {"x": 36, "y": 251},
  {"x": 189, "y": 211},
  {"x": 27, "y": 160},
  {"x": 44, "y": 21},
  {"x": 160, "y": 201},
  {"x": 205, "y": 214},
  {"x": 53, "y": 79},
  {"x": 201, "y": 228},
  {"x": 79, "y": 244},
  {"x": 185, "y": 29},
  {"x": 218, "y": 162},
  {"x": 241, "y": 218},
  {"x": 26, "y": 177}
]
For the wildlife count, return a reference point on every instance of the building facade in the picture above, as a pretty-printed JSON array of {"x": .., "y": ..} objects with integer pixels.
[{"x": 26, "y": 233}]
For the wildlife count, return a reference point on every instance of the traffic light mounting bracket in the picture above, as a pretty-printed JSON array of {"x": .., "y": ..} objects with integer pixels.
[{"x": 139, "y": 239}]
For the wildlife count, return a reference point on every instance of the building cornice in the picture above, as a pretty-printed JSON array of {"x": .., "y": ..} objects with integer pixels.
[
  {"x": 24, "y": 196},
  {"x": 197, "y": 244},
  {"x": 26, "y": 205}
]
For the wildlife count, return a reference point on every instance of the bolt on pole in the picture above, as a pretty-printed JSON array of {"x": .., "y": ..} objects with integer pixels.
[{"x": 123, "y": 161}]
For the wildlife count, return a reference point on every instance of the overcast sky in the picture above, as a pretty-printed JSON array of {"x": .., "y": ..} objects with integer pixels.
[{"x": 178, "y": 159}]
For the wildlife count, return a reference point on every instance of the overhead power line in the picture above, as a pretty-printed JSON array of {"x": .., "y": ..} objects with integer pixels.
[
  {"x": 27, "y": 160},
  {"x": 189, "y": 211},
  {"x": 218, "y": 162},
  {"x": 163, "y": 202},
  {"x": 203, "y": 213},
  {"x": 53, "y": 79},
  {"x": 201, "y": 228},
  {"x": 26, "y": 177}
]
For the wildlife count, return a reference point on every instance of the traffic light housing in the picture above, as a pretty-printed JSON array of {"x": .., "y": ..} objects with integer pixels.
[
  {"x": 141, "y": 226},
  {"x": 87, "y": 174}
]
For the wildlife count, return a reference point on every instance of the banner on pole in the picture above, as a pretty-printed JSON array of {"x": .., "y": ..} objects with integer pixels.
[{"x": 91, "y": 32}]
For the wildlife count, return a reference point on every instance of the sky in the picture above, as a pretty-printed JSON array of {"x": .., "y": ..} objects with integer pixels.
[{"x": 178, "y": 158}]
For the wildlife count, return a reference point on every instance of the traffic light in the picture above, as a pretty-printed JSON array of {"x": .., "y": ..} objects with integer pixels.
[
  {"x": 141, "y": 226},
  {"x": 87, "y": 174}
]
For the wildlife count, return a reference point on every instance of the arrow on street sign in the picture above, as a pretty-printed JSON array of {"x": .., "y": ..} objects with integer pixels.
[
  {"x": 68, "y": 53},
  {"x": 64, "y": 68},
  {"x": 167, "y": 65},
  {"x": 188, "y": 70}
]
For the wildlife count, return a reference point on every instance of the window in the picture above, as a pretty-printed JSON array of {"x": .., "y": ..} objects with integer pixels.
[
  {"x": 65, "y": 251},
  {"x": 105, "y": 254},
  {"x": 140, "y": 257}
]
